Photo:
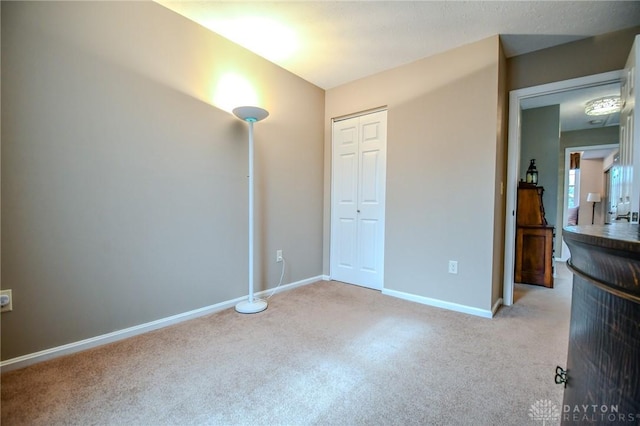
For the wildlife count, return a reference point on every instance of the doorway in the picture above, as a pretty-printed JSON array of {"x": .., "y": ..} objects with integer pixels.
[
  {"x": 358, "y": 181},
  {"x": 516, "y": 98},
  {"x": 591, "y": 174}
]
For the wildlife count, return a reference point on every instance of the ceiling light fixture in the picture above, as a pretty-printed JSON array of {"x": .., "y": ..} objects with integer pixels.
[{"x": 603, "y": 106}]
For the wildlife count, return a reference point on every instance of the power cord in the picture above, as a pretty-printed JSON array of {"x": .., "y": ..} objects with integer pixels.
[{"x": 281, "y": 277}]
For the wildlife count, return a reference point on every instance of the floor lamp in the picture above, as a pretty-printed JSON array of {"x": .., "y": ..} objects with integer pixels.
[
  {"x": 593, "y": 197},
  {"x": 251, "y": 115}
]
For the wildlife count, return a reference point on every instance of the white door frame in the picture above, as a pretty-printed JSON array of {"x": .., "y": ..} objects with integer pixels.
[{"x": 513, "y": 159}]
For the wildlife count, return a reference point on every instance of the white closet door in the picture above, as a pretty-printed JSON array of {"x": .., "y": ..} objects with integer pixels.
[{"x": 358, "y": 199}]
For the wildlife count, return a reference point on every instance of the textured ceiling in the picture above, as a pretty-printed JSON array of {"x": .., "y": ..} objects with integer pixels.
[
  {"x": 338, "y": 42},
  {"x": 572, "y": 103}
]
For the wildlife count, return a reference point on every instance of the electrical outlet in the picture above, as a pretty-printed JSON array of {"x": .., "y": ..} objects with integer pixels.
[
  {"x": 278, "y": 255},
  {"x": 453, "y": 266},
  {"x": 6, "y": 301}
]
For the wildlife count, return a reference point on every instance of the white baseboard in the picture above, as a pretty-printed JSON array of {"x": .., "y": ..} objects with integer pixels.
[
  {"x": 441, "y": 304},
  {"x": 33, "y": 358},
  {"x": 285, "y": 287}
]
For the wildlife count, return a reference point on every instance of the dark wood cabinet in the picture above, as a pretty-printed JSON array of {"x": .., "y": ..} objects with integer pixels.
[
  {"x": 603, "y": 362},
  {"x": 534, "y": 238},
  {"x": 534, "y": 255}
]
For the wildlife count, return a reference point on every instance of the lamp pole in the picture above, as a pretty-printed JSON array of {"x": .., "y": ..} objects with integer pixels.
[
  {"x": 251, "y": 115},
  {"x": 251, "y": 223},
  {"x": 593, "y": 197}
]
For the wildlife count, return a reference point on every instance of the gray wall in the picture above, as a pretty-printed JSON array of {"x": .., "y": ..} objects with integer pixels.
[
  {"x": 593, "y": 55},
  {"x": 123, "y": 184},
  {"x": 588, "y": 137},
  {"x": 540, "y": 139},
  {"x": 124, "y": 188},
  {"x": 500, "y": 203},
  {"x": 444, "y": 170}
]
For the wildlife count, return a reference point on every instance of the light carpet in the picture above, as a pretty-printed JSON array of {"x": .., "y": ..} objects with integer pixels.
[{"x": 326, "y": 353}]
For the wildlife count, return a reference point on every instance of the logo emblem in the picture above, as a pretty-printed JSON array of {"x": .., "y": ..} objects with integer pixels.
[{"x": 544, "y": 410}]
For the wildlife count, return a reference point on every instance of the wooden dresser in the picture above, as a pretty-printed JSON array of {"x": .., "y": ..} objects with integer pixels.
[
  {"x": 603, "y": 362},
  {"x": 534, "y": 238}
]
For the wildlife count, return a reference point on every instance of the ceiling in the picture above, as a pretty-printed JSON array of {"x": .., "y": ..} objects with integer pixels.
[
  {"x": 572, "y": 103},
  {"x": 329, "y": 43}
]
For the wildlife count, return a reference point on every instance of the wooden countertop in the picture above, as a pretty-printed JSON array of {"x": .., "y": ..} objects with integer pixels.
[
  {"x": 620, "y": 236},
  {"x": 608, "y": 256}
]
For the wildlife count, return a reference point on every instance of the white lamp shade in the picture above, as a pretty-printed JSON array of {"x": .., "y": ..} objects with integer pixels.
[
  {"x": 593, "y": 197},
  {"x": 250, "y": 113}
]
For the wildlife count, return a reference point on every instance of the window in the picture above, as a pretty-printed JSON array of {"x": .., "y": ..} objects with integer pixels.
[{"x": 573, "y": 190}]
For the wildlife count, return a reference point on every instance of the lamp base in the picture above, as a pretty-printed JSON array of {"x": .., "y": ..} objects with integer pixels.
[{"x": 246, "y": 307}]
